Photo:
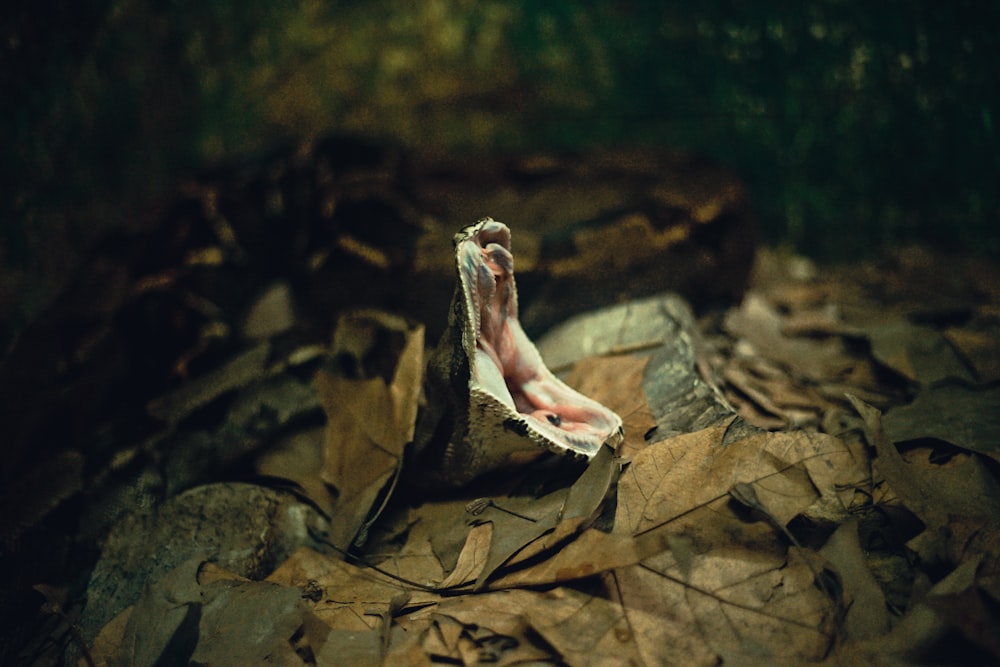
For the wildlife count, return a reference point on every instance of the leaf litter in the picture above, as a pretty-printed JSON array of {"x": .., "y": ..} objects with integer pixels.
[{"x": 844, "y": 508}]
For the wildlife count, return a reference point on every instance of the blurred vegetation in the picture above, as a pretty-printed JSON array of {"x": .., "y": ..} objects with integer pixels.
[{"x": 856, "y": 125}]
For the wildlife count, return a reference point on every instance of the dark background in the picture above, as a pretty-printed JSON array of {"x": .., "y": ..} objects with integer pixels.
[{"x": 857, "y": 126}]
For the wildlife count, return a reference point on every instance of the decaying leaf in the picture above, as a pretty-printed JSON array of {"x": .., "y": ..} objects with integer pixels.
[
  {"x": 923, "y": 626},
  {"x": 760, "y": 324}
]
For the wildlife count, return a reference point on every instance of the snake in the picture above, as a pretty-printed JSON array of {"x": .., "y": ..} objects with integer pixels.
[{"x": 492, "y": 402}]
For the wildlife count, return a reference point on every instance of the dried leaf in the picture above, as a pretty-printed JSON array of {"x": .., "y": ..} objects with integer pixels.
[
  {"x": 616, "y": 383},
  {"x": 917, "y": 492},
  {"x": 221, "y": 620},
  {"x": 347, "y": 597},
  {"x": 742, "y": 605},
  {"x": 734, "y": 585},
  {"x": 109, "y": 644},
  {"x": 489, "y": 636},
  {"x": 369, "y": 418},
  {"x": 355, "y": 648},
  {"x": 575, "y": 628},
  {"x": 867, "y": 616},
  {"x": 526, "y": 528},
  {"x": 239, "y": 371},
  {"x": 980, "y": 349},
  {"x": 592, "y": 552},
  {"x": 919, "y": 353},
  {"x": 271, "y": 313},
  {"x": 967, "y": 417},
  {"x": 792, "y": 472},
  {"x": 922, "y": 626},
  {"x": 473, "y": 558},
  {"x": 760, "y": 324},
  {"x": 417, "y": 560}
]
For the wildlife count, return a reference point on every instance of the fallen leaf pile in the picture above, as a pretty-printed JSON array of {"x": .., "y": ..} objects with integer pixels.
[{"x": 807, "y": 527}]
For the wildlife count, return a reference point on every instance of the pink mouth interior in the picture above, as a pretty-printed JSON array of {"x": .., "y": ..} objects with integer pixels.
[{"x": 509, "y": 366}]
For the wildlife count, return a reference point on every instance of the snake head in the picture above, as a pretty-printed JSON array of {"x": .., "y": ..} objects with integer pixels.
[{"x": 502, "y": 400}]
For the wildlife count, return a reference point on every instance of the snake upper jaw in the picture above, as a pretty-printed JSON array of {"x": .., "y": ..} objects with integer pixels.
[{"x": 487, "y": 380}]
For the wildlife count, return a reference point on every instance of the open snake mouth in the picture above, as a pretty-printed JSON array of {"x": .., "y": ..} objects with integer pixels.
[{"x": 507, "y": 366}]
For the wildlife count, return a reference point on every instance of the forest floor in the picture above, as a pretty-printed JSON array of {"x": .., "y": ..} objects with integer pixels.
[{"x": 837, "y": 500}]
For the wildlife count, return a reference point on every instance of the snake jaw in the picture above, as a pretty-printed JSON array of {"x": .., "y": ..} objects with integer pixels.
[
  {"x": 504, "y": 363},
  {"x": 491, "y": 401}
]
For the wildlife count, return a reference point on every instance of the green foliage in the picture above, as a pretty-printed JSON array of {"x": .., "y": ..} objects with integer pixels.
[{"x": 856, "y": 125}]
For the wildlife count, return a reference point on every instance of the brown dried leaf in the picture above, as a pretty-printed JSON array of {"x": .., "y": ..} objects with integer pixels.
[
  {"x": 867, "y": 616},
  {"x": 981, "y": 349},
  {"x": 210, "y": 617},
  {"x": 922, "y": 626},
  {"x": 616, "y": 383},
  {"x": 271, "y": 313},
  {"x": 347, "y": 597},
  {"x": 592, "y": 552},
  {"x": 492, "y": 637},
  {"x": 918, "y": 353},
  {"x": 527, "y": 528},
  {"x": 743, "y": 606},
  {"x": 915, "y": 492},
  {"x": 791, "y": 404},
  {"x": 110, "y": 641},
  {"x": 351, "y": 647},
  {"x": 473, "y": 557},
  {"x": 575, "y": 628},
  {"x": 760, "y": 324},
  {"x": 967, "y": 417},
  {"x": 732, "y": 585},
  {"x": 369, "y": 418},
  {"x": 790, "y": 472},
  {"x": 417, "y": 561}
]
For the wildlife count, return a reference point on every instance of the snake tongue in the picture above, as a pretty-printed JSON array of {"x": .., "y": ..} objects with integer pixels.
[{"x": 508, "y": 366}]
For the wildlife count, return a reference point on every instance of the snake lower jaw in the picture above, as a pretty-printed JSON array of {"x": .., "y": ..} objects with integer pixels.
[{"x": 489, "y": 380}]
